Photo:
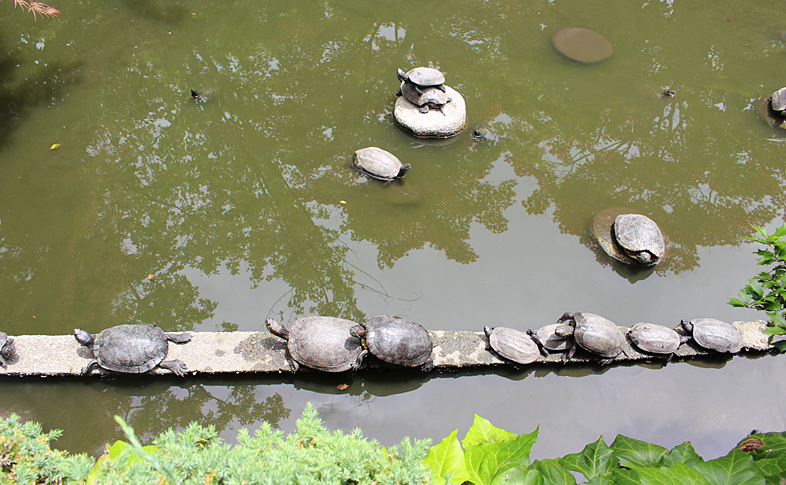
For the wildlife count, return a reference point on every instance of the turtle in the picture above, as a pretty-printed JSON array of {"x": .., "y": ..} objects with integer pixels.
[
  {"x": 512, "y": 344},
  {"x": 395, "y": 341},
  {"x": 422, "y": 77},
  {"x": 425, "y": 98},
  {"x": 7, "y": 349},
  {"x": 592, "y": 333},
  {"x": 713, "y": 334},
  {"x": 321, "y": 343},
  {"x": 379, "y": 164},
  {"x": 132, "y": 348},
  {"x": 656, "y": 339},
  {"x": 548, "y": 340},
  {"x": 778, "y": 101},
  {"x": 640, "y": 238},
  {"x": 483, "y": 131}
]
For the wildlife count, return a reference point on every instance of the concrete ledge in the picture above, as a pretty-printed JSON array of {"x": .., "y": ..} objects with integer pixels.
[{"x": 247, "y": 352}]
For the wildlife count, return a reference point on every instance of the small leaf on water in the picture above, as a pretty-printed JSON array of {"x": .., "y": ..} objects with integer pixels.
[
  {"x": 342, "y": 387},
  {"x": 55, "y": 146}
]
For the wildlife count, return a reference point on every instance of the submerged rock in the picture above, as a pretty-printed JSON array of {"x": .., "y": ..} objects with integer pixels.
[{"x": 582, "y": 45}]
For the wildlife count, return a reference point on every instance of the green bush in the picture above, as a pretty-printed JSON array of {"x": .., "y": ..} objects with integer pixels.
[{"x": 767, "y": 291}]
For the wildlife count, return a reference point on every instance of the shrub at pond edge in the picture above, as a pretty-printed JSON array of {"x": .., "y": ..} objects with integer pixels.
[{"x": 312, "y": 454}]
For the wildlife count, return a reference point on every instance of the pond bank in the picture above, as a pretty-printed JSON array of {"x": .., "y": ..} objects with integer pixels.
[{"x": 249, "y": 352}]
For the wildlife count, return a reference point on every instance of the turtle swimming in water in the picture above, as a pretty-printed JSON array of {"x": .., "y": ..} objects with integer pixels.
[
  {"x": 379, "y": 164},
  {"x": 132, "y": 349}
]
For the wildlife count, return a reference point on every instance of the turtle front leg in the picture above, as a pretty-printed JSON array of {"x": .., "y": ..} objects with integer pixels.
[
  {"x": 93, "y": 364},
  {"x": 359, "y": 363},
  {"x": 428, "y": 366},
  {"x": 178, "y": 338},
  {"x": 571, "y": 351},
  {"x": 292, "y": 362},
  {"x": 177, "y": 367}
]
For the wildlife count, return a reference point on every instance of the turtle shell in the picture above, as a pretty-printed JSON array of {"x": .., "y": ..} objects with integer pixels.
[
  {"x": 640, "y": 237},
  {"x": 379, "y": 164},
  {"x": 131, "y": 349},
  {"x": 426, "y": 76},
  {"x": 597, "y": 335},
  {"x": 655, "y": 339},
  {"x": 429, "y": 96},
  {"x": 513, "y": 345},
  {"x": 549, "y": 338},
  {"x": 398, "y": 341},
  {"x": 778, "y": 102},
  {"x": 323, "y": 343},
  {"x": 715, "y": 335}
]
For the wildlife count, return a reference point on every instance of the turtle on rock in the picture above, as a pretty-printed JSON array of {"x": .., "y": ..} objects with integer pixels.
[
  {"x": 132, "y": 349},
  {"x": 640, "y": 238},
  {"x": 713, "y": 334},
  {"x": 548, "y": 340},
  {"x": 7, "y": 349},
  {"x": 593, "y": 333},
  {"x": 422, "y": 77},
  {"x": 512, "y": 344},
  {"x": 379, "y": 164},
  {"x": 395, "y": 341},
  {"x": 424, "y": 98},
  {"x": 656, "y": 339},
  {"x": 321, "y": 343}
]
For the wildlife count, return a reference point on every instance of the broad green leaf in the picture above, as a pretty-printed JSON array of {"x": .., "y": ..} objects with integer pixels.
[
  {"x": 773, "y": 445},
  {"x": 774, "y": 331},
  {"x": 780, "y": 345},
  {"x": 678, "y": 474},
  {"x": 554, "y": 473},
  {"x": 520, "y": 476},
  {"x": 756, "y": 289},
  {"x": 482, "y": 431},
  {"x": 738, "y": 303},
  {"x": 446, "y": 459},
  {"x": 736, "y": 467},
  {"x": 683, "y": 453},
  {"x": 637, "y": 452},
  {"x": 772, "y": 467},
  {"x": 595, "y": 460},
  {"x": 623, "y": 476},
  {"x": 485, "y": 462}
]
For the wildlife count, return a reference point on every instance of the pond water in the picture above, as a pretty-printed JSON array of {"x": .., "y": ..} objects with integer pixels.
[{"x": 215, "y": 215}]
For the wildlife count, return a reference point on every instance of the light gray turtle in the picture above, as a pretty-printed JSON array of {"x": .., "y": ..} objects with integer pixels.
[
  {"x": 593, "y": 333},
  {"x": 713, "y": 334},
  {"x": 656, "y": 339},
  {"x": 321, "y": 343},
  {"x": 640, "y": 238},
  {"x": 548, "y": 340},
  {"x": 395, "y": 341},
  {"x": 7, "y": 349},
  {"x": 512, "y": 344},
  {"x": 379, "y": 164},
  {"x": 425, "y": 98},
  {"x": 132, "y": 349},
  {"x": 778, "y": 101},
  {"x": 422, "y": 77}
]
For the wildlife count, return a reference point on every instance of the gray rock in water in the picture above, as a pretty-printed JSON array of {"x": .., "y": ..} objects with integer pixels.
[{"x": 582, "y": 45}]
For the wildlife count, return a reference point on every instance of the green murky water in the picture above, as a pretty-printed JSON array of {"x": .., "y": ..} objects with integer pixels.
[{"x": 212, "y": 216}]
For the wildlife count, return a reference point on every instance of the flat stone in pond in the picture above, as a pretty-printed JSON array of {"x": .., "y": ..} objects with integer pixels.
[
  {"x": 582, "y": 45},
  {"x": 434, "y": 124}
]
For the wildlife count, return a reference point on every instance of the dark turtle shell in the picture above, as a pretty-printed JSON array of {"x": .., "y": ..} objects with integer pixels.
[
  {"x": 594, "y": 334},
  {"x": 426, "y": 98},
  {"x": 424, "y": 76},
  {"x": 549, "y": 339},
  {"x": 323, "y": 343},
  {"x": 379, "y": 164},
  {"x": 714, "y": 335},
  {"x": 131, "y": 348},
  {"x": 655, "y": 339},
  {"x": 398, "y": 341},
  {"x": 512, "y": 344},
  {"x": 778, "y": 101},
  {"x": 640, "y": 238},
  {"x": 6, "y": 348}
]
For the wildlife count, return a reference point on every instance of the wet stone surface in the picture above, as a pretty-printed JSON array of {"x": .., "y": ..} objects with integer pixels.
[{"x": 248, "y": 352}]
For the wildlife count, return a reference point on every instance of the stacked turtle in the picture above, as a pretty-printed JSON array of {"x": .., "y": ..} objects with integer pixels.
[
  {"x": 423, "y": 87},
  {"x": 421, "y": 94}
]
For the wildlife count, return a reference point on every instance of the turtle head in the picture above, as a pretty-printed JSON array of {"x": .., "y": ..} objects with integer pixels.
[
  {"x": 8, "y": 348},
  {"x": 83, "y": 337},
  {"x": 359, "y": 332},
  {"x": 564, "y": 330},
  {"x": 686, "y": 325},
  {"x": 194, "y": 94},
  {"x": 277, "y": 328},
  {"x": 402, "y": 76},
  {"x": 403, "y": 170},
  {"x": 645, "y": 257},
  {"x": 487, "y": 330}
]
